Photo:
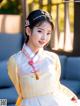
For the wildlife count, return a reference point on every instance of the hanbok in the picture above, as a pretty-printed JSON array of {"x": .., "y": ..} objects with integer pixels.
[{"x": 36, "y": 79}]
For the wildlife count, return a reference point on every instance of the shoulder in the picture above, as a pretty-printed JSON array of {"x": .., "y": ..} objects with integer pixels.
[
  {"x": 51, "y": 54},
  {"x": 14, "y": 57},
  {"x": 12, "y": 64}
]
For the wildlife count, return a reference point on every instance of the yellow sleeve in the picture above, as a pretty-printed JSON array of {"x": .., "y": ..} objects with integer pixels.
[
  {"x": 13, "y": 74},
  {"x": 62, "y": 87},
  {"x": 68, "y": 92}
]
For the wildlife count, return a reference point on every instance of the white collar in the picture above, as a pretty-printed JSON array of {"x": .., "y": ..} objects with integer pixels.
[{"x": 31, "y": 53}]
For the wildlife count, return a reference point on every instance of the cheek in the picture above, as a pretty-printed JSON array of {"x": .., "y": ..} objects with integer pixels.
[
  {"x": 48, "y": 39},
  {"x": 36, "y": 36}
]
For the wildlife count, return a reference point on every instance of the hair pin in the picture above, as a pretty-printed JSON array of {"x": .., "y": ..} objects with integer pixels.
[
  {"x": 39, "y": 17},
  {"x": 27, "y": 23}
]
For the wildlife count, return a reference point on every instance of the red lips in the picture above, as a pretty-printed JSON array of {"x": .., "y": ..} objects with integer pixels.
[{"x": 41, "y": 42}]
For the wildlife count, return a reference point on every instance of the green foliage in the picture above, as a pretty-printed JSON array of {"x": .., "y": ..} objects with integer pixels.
[{"x": 10, "y": 7}]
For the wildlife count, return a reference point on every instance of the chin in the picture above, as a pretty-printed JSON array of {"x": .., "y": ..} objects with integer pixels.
[{"x": 39, "y": 47}]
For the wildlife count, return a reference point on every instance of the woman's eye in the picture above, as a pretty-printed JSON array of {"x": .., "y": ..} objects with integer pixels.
[
  {"x": 39, "y": 31},
  {"x": 48, "y": 34}
]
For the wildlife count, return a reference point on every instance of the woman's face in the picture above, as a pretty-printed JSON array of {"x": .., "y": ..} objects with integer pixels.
[{"x": 40, "y": 35}]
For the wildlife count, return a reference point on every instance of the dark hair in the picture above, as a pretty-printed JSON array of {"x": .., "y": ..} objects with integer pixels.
[{"x": 37, "y": 17}]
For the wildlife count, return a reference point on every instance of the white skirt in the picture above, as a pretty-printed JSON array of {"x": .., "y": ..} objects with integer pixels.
[{"x": 49, "y": 100}]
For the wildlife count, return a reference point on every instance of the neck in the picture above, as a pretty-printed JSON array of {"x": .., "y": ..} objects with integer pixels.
[{"x": 33, "y": 49}]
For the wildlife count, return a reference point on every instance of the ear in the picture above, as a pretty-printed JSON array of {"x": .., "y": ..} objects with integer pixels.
[{"x": 28, "y": 31}]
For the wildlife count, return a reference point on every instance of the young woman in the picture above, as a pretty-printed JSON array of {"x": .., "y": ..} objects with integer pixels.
[{"x": 34, "y": 71}]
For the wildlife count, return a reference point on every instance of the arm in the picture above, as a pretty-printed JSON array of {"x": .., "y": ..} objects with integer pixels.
[
  {"x": 13, "y": 74},
  {"x": 63, "y": 88}
]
